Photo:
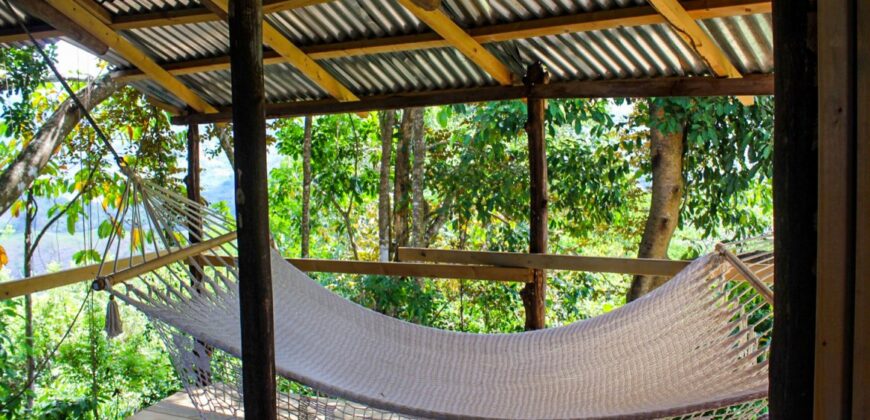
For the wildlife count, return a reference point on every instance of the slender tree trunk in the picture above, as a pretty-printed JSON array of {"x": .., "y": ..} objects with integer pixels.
[
  {"x": 666, "y": 153},
  {"x": 418, "y": 201},
  {"x": 29, "y": 216},
  {"x": 18, "y": 175},
  {"x": 225, "y": 137},
  {"x": 306, "y": 187},
  {"x": 387, "y": 122},
  {"x": 402, "y": 180}
]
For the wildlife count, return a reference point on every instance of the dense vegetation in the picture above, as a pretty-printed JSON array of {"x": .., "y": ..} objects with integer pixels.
[{"x": 456, "y": 177}]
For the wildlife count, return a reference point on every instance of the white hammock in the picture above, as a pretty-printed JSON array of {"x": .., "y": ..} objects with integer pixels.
[{"x": 698, "y": 343}]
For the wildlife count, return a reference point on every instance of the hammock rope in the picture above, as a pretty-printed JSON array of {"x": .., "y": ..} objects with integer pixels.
[{"x": 699, "y": 344}]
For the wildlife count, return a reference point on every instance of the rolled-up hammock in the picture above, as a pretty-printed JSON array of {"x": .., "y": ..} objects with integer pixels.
[{"x": 697, "y": 346}]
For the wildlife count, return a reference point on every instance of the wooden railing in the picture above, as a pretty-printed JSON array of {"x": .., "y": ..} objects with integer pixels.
[
  {"x": 647, "y": 266},
  {"x": 413, "y": 262}
]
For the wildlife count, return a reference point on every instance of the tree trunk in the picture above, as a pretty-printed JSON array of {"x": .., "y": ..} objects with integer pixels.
[
  {"x": 418, "y": 201},
  {"x": 666, "y": 153},
  {"x": 402, "y": 180},
  {"x": 387, "y": 121},
  {"x": 18, "y": 175},
  {"x": 29, "y": 216},
  {"x": 306, "y": 187},
  {"x": 225, "y": 137}
]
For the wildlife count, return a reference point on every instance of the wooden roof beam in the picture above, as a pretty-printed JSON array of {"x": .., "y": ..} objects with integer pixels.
[
  {"x": 624, "y": 88},
  {"x": 691, "y": 32},
  {"x": 126, "y": 49},
  {"x": 580, "y": 22},
  {"x": 66, "y": 26},
  {"x": 295, "y": 56},
  {"x": 462, "y": 41}
]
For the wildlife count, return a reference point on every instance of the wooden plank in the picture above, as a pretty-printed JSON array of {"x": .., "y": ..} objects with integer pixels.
[
  {"x": 16, "y": 288},
  {"x": 459, "y": 39},
  {"x": 78, "y": 35},
  {"x": 130, "y": 53},
  {"x": 297, "y": 58},
  {"x": 275, "y": 6},
  {"x": 579, "y": 22},
  {"x": 688, "y": 29},
  {"x": 836, "y": 207},
  {"x": 401, "y": 269},
  {"x": 252, "y": 209},
  {"x": 636, "y": 88},
  {"x": 97, "y": 10},
  {"x": 618, "y": 265}
]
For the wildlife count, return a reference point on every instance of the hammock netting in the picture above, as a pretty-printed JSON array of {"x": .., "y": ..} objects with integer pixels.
[{"x": 696, "y": 347}]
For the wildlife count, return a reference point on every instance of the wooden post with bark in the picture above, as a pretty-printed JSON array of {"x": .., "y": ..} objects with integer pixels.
[
  {"x": 195, "y": 229},
  {"x": 534, "y": 293},
  {"x": 306, "y": 188},
  {"x": 387, "y": 121},
  {"x": 252, "y": 204}
]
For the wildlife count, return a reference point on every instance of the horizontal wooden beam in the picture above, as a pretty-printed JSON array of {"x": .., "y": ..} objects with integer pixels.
[
  {"x": 638, "y": 266},
  {"x": 15, "y": 288},
  {"x": 627, "y": 88},
  {"x": 405, "y": 269},
  {"x": 579, "y": 22},
  {"x": 402, "y": 269}
]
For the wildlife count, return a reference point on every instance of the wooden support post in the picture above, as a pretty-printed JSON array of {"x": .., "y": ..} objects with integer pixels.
[
  {"x": 252, "y": 215},
  {"x": 795, "y": 199},
  {"x": 534, "y": 293},
  {"x": 192, "y": 181},
  {"x": 194, "y": 225},
  {"x": 837, "y": 211}
]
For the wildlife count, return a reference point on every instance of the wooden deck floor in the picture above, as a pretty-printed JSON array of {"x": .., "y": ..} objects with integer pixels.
[{"x": 177, "y": 406}]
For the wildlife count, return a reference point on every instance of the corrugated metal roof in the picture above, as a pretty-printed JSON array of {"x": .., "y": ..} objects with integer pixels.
[{"x": 623, "y": 52}]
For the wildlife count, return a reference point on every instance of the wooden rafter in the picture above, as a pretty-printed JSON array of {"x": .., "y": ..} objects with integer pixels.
[
  {"x": 130, "y": 53},
  {"x": 439, "y": 22},
  {"x": 297, "y": 58},
  {"x": 626, "y": 88},
  {"x": 97, "y": 10},
  {"x": 586, "y": 21},
  {"x": 691, "y": 32},
  {"x": 72, "y": 30},
  {"x": 150, "y": 19},
  {"x": 580, "y": 22}
]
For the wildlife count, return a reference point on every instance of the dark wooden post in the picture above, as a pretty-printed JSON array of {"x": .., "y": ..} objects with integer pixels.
[
  {"x": 194, "y": 223},
  {"x": 795, "y": 181},
  {"x": 192, "y": 180},
  {"x": 534, "y": 293},
  {"x": 252, "y": 215}
]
